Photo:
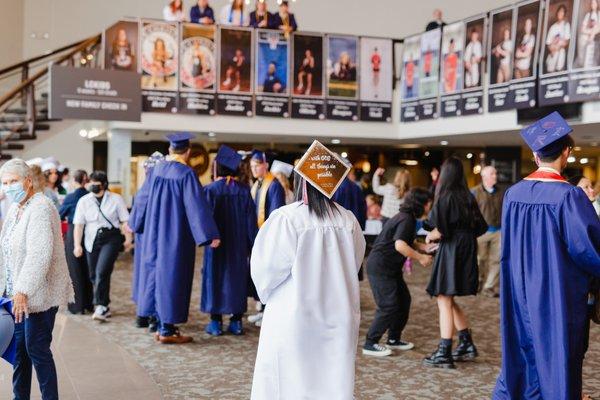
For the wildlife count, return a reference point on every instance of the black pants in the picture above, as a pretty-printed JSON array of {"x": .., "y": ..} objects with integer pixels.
[
  {"x": 79, "y": 272},
  {"x": 393, "y": 306},
  {"x": 219, "y": 317},
  {"x": 101, "y": 262}
]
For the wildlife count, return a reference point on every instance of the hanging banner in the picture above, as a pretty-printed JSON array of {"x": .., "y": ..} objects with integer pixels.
[
  {"x": 235, "y": 72},
  {"x": 159, "y": 64},
  {"x": 471, "y": 97},
  {"x": 272, "y": 80},
  {"x": 500, "y": 54},
  {"x": 523, "y": 88},
  {"x": 452, "y": 69},
  {"x": 554, "y": 75},
  {"x": 307, "y": 74},
  {"x": 376, "y": 79},
  {"x": 411, "y": 57},
  {"x": 197, "y": 69},
  {"x": 584, "y": 76},
  {"x": 342, "y": 78},
  {"x": 120, "y": 44},
  {"x": 429, "y": 74}
]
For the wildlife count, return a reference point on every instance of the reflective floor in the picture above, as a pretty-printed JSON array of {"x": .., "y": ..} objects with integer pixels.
[{"x": 116, "y": 361}]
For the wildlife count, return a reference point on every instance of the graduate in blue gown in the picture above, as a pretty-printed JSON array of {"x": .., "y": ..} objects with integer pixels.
[
  {"x": 226, "y": 269},
  {"x": 550, "y": 250},
  {"x": 268, "y": 196},
  {"x": 177, "y": 219},
  {"x": 136, "y": 224},
  {"x": 350, "y": 196}
]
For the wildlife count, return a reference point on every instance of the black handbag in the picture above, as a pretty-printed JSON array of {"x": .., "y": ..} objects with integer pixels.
[{"x": 110, "y": 232}]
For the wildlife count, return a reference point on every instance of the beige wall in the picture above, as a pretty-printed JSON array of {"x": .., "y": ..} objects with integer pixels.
[
  {"x": 66, "y": 21},
  {"x": 11, "y": 31}
]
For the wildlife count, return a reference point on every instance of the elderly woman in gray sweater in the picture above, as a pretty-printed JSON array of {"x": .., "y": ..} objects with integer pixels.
[{"x": 33, "y": 272}]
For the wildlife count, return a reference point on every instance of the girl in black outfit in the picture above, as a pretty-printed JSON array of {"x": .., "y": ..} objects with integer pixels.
[
  {"x": 458, "y": 222},
  {"x": 384, "y": 268}
]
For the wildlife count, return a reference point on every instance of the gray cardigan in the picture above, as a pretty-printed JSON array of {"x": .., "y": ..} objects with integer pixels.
[{"x": 39, "y": 265}]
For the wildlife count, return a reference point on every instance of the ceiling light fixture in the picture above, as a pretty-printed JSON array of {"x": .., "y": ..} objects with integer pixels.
[
  {"x": 336, "y": 141},
  {"x": 584, "y": 160},
  {"x": 344, "y": 154},
  {"x": 444, "y": 143},
  {"x": 571, "y": 159},
  {"x": 469, "y": 155}
]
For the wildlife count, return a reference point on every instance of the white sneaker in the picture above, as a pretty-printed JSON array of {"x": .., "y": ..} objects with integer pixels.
[
  {"x": 400, "y": 345},
  {"x": 376, "y": 350},
  {"x": 253, "y": 319},
  {"x": 101, "y": 313}
]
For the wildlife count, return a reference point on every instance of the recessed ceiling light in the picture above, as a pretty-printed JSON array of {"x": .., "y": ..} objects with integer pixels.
[
  {"x": 571, "y": 159},
  {"x": 584, "y": 160},
  {"x": 577, "y": 148},
  {"x": 444, "y": 143},
  {"x": 469, "y": 155},
  {"x": 83, "y": 133},
  {"x": 344, "y": 154},
  {"x": 427, "y": 154},
  {"x": 211, "y": 134},
  {"x": 336, "y": 141}
]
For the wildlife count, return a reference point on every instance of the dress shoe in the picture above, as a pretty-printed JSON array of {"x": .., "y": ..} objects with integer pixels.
[
  {"x": 142, "y": 322},
  {"x": 176, "y": 338},
  {"x": 235, "y": 328},
  {"x": 214, "y": 328}
]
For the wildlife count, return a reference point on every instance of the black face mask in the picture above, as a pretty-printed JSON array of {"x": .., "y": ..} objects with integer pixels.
[{"x": 95, "y": 188}]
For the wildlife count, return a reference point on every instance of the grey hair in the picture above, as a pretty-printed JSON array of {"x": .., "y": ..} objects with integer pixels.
[{"x": 16, "y": 166}]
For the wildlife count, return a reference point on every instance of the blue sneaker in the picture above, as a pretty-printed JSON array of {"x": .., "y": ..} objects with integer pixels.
[
  {"x": 214, "y": 328},
  {"x": 236, "y": 328}
]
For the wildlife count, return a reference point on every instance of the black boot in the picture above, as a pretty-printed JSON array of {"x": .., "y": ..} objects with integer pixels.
[
  {"x": 153, "y": 324},
  {"x": 466, "y": 350},
  {"x": 442, "y": 357},
  {"x": 141, "y": 322}
]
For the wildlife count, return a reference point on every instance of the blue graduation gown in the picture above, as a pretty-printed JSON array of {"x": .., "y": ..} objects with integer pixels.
[
  {"x": 350, "y": 196},
  {"x": 226, "y": 270},
  {"x": 550, "y": 249},
  {"x": 275, "y": 198},
  {"x": 177, "y": 219}
]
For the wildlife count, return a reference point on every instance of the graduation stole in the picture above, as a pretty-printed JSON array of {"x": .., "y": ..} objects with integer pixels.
[
  {"x": 546, "y": 175},
  {"x": 262, "y": 201}
]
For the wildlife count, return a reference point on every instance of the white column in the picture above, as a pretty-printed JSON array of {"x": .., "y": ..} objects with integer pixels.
[{"x": 119, "y": 162}]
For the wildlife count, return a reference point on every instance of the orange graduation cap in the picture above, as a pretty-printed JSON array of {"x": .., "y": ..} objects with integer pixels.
[{"x": 322, "y": 168}]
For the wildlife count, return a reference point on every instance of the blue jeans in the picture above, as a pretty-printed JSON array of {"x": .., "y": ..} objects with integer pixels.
[{"x": 33, "y": 338}]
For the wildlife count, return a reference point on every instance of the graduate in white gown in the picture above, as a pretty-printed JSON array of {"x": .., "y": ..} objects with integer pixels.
[{"x": 305, "y": 264}]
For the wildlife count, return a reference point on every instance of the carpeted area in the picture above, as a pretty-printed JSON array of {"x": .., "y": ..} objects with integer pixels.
[{"x": 221, "y": 368}]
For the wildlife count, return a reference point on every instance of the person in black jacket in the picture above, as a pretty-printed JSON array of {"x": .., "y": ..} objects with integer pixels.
[
  {"x": 284, "y": 20},
  {"x": 261, "y": 17},
  {"x": 77, "y": 265},
  {"x": 437, "y": 22},
  {"x": 457, "y": 223}
]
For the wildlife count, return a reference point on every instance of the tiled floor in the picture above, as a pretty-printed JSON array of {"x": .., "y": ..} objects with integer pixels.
[{"x": 89, "y": 368}]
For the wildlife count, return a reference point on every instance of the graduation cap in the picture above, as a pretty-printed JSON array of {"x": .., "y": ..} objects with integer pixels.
[
  {"x": 259, "y": 156},
  {"x": 547, "y": 136},
  {"x": 322, "y": 168},
  {"x": 228, "y": 157},
  {"x": 179, "y": 140},
  {"x": 284, "y": 168},
  {"x": 48, "y": 164},
  {"x": 154, "y": 159}
]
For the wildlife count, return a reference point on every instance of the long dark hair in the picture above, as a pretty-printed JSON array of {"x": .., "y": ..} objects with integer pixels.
[
  {"x": 318, "y": 204},
  {"x": 452, "y": 183},
  {"x": 415, "y": 201}
]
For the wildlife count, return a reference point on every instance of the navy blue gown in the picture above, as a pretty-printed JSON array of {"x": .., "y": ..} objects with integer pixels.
[
  {"x": 350, "y": 196},
  {"x": 177, "y": 219},
  {"x": 550, "y": 250},
  {"x": 226, "y": 269}
]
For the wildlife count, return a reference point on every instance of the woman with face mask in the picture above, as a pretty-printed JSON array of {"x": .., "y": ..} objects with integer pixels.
[
  {"x": 34, "y": 274},
  {"x": 102, "y": 215}
]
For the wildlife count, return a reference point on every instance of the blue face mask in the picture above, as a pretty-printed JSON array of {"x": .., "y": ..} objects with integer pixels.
[{"x": 15, "y": 192}]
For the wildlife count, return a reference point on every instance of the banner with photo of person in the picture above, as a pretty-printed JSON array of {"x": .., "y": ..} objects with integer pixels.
[
  {"x": 553, "y": 85},
  {"x": 453, "y": 41},
  {"x": 376, "y": 79},
  {"x": 411, "y": 59},
  {"x": 120, "y": 42},
  {"x": 501, "y": 46},
  {"x": 197, "y": 69},
  {"x": 584, "y": 77},
  {"x": 307, "y": 76},
  {"x": 429, "y": 74},
  {"x": 159, "y": 65},
  {"x": 342, "y": 77},
  {"x": 272, "y": 74},
  {"x": 471, "y": 97},
  {"x": 236, "y": 61},
  {"x": 525, "y": 56}
]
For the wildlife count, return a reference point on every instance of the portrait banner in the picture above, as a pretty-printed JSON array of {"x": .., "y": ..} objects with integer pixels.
[
  {"x": 429, "y": 74},
  {"x": 473, "y": 65},
  {"x": 584, "y": 76},
  {"x": 411, "y": 59},
  {"x": 376, "y": 79},
  {"x": 120, "y": 43},
  {"x": 159, "y": 65},
  {"x": 307, "y": 76},
  {"x": 272, "y": 74},
  {"x": 452, "y": 69},
  {"x": 501, "y": 47},
  {"x": 342, "y": 78}
]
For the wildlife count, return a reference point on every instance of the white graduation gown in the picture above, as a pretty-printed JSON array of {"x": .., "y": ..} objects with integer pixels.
[{"x": 305, "y": 271}]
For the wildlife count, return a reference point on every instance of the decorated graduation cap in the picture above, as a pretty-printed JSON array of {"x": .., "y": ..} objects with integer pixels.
[
  {"x": 179, "y": 140},
  {"x": 280, "y": 166},
  {"x": 547, "y": 136},
  {"x": 322, "y": 168},
  {"x": 228, "y": 157},
  {"x": 259, "y": 156},
  {"x": 154, "y": 159}
]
